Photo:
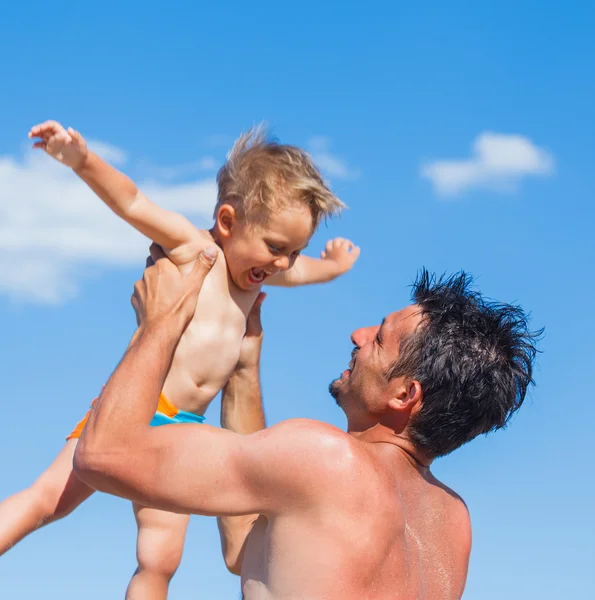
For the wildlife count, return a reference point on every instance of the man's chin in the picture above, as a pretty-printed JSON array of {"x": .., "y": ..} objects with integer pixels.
[{"x": 334, "y": 389}]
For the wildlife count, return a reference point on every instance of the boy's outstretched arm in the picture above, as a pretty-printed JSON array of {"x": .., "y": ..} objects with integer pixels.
[
  {"x": 337, "y": 258},
  {"x": 168, "y": 229}
]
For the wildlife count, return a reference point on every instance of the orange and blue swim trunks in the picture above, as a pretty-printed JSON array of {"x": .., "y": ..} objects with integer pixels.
[{"x": 167, "y": 414}]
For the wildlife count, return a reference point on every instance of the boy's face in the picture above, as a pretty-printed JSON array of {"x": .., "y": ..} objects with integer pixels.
[{"x": 255, "y": 251}]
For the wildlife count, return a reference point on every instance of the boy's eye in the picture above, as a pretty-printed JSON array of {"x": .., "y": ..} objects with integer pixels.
[{"x": 273, "y": 249}]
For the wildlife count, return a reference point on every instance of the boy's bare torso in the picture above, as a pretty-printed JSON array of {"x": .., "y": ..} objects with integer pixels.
[
  {"x": 387, "y": 532},
  {"x": 209, "y": 349}
]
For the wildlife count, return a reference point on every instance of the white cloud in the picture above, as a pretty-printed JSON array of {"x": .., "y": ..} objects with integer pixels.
[
  {"x": 330, "y": 164},
  {"x": 499, "y": 162},
  {"x": 52, "y": 226}
]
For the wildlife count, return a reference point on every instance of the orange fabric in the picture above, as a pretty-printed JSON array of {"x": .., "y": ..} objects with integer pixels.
[{"x": 164, "y": 406}]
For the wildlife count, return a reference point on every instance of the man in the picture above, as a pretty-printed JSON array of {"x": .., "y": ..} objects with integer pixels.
[{"x": 342, "y": 515}]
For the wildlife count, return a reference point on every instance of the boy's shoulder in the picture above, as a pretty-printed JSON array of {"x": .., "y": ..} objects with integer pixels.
[{"x": 188, "y": 252}]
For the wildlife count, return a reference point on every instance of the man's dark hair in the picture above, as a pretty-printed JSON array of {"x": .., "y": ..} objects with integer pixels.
[{"x": 473, "y": 358}]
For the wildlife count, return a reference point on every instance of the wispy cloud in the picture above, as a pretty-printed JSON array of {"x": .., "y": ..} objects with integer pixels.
[
  {"x": 499, "y": 162},
  {"x": 52, "y": 227},
  {"x": 330, "y": 164}
]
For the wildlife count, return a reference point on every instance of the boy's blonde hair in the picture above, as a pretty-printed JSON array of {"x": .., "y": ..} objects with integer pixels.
[{"x": 261, "y": 176}]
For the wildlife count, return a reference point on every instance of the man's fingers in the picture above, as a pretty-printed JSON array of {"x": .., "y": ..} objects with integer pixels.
[
  {"x": 258, "y": 304},
  {"x": 254, "y": 325},
  {"x": 156, "y": 252},
  {"x": 205, "y": 261},
  {"x": 135, "y": 295},
  {"x": 207, "y": 257}
]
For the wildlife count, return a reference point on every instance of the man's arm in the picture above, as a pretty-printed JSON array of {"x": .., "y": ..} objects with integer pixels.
[
  {"x": 168, "y": 229},
  {"x": 242, "y": 412},
  {"x": 337, "y": 258},
  {"x": 191, "y": 468}
]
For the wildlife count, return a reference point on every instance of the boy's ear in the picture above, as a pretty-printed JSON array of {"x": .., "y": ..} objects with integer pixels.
[{"x": 226, "y": 216}]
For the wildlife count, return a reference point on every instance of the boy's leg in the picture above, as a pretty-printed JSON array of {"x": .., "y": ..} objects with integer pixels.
[
  {"x": 56, "y": 493},
  {"x": 159, "y": 547}
]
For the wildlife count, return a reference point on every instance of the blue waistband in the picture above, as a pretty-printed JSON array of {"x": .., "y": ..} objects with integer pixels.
[{"x": 181, "y": 417}]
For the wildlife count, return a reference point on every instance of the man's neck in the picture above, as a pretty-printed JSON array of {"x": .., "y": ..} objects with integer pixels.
[{"x": 382, "y": 434}]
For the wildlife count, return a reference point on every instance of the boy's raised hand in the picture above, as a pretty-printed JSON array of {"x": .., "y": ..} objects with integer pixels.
[
  {"x": 65, "y": 145},
  {"x": 342, "y": 252}
]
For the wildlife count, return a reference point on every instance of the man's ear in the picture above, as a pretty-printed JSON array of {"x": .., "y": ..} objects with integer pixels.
[
  {"x": 407, "y": 396},
  {"x": 226, "y": 217}
]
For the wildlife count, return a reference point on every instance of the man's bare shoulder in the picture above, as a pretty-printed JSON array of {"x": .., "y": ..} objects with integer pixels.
[
  {"x": 456, "y": 506},
  {"x": 309, "y": 433},
  {"x": 455, "y": 498},
  {"x": 322, "y": 447}
]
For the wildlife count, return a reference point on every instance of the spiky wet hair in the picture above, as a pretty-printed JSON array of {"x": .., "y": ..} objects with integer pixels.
[{"x": 473, "y": 358}]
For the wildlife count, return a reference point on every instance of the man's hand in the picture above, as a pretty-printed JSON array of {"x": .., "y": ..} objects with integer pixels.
[
  {"x": 66, "y": 146},
  {"x": 164, "y": 292},
  {"x": 342, "y": 252},
  {"x": 252, "y": 342}
]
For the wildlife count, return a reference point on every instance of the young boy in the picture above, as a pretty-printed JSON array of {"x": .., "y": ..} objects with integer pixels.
[{"x": 271, "y": 199}]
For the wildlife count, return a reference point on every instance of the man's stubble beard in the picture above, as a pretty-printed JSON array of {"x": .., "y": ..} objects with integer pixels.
[
  {"x": 335, "y": 385},
  {"x": 334, "y": 390}
]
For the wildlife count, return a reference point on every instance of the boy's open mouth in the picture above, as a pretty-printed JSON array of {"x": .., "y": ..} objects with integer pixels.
[{"x": 257, "y": 275}]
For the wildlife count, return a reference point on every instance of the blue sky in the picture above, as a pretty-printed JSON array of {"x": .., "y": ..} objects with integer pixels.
[{"x": 386, "y": 96}]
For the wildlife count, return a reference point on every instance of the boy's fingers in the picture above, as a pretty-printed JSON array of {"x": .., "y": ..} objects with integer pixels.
[
  {"x": 35, "y": 130},
  {"x": 49, "y": 127},
  {"x": 75, "y": 135},
  {"x": 39, "y": 145}
]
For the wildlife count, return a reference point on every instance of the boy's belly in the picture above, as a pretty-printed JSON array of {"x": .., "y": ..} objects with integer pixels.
[{"x": 203, "y": 363}]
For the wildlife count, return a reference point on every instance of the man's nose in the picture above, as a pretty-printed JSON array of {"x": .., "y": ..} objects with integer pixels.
[
  {"x": 282, "y": 263},
  {"x": 363, "y": 335}
]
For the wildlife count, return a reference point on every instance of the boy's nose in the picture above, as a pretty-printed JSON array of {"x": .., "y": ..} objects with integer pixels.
[{"x": 282, "y": 263}]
